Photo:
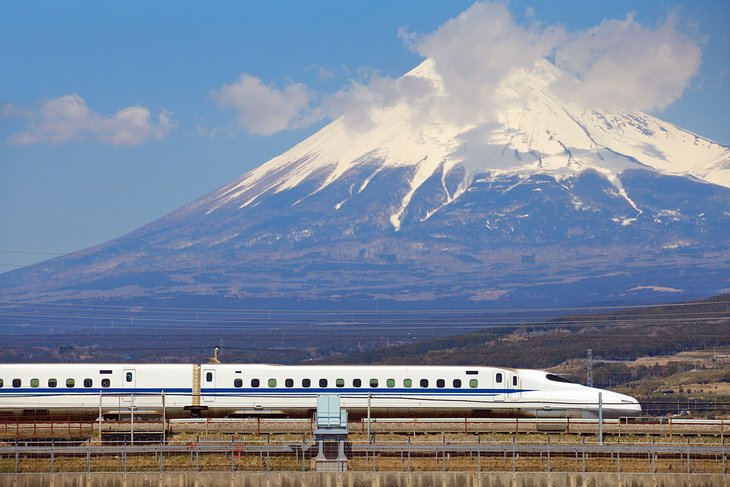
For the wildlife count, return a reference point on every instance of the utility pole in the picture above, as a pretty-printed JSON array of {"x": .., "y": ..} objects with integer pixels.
[{"x": 589, "y": 368}]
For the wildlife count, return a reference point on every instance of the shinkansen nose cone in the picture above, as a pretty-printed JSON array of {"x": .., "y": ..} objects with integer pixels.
[{"x": 615, "y": 405}]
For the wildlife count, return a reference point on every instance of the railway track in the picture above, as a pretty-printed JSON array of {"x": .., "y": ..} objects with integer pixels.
[{"x": 385, "y": 448}]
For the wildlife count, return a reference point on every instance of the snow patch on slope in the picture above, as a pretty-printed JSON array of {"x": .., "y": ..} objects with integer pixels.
[{"x": 656, "y": 289}]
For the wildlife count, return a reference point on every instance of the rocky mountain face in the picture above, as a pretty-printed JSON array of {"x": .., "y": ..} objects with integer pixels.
[{"x": 545, "y": 204}]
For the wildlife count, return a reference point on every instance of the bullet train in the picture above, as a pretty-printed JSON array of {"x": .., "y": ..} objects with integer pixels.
[{"x": 251, "y": 390}]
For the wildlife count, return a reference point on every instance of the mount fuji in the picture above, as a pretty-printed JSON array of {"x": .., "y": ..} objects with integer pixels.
[{"x": 538, "y": 202}]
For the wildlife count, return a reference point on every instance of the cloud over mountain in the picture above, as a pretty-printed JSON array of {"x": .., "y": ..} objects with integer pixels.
[
  {"x": 263, "y": 109},
  {"x": 623, "y": 63},
  {"x": 618, "y": 64}
]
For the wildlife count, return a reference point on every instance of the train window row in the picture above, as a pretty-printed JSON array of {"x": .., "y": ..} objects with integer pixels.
[
  {"x": 70, "y": 383},
  {"x": 357, "y": 383}
]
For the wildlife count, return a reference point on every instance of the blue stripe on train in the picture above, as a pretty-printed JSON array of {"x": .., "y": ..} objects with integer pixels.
[{"x": 40, "y": 391}]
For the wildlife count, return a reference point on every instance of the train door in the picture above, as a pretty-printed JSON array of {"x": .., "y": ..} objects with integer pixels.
[
  {"x": 208, "y": 385},
  {"x": 498, "y": 384},
  {"x": 513, "y": 384},
  {"x": 129, "y": 384}
]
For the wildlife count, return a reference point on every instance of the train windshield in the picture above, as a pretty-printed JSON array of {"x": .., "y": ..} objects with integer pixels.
[{"x": 557, "y": 378}]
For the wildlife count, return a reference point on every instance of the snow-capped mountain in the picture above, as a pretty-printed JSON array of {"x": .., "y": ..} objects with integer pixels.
[
  {"x": 534, "y": 134},
  {"x": 537, "y": 201}
]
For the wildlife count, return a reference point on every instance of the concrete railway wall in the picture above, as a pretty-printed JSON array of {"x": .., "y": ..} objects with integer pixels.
[{"x": 362, "y": 479}]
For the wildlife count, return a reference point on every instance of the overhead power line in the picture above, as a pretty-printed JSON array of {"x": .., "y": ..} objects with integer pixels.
[
  {"x": 370, "y": 311},
  {"x": 28, "y": 252}
]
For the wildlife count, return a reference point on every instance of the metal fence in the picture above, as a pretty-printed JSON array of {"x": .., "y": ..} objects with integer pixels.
[
  {"x": 70, "y": 428},
  {"x": 515, "y": 456}
]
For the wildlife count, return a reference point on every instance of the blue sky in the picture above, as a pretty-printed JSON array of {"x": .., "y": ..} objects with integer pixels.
[{"x": 113, "y": 114}]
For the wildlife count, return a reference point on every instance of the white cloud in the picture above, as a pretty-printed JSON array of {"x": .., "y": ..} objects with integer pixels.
[
  {"x": 11, "y": 110},
  {"x": 68, "y": 118},
  {"x": 616, "y": 64},
  {"x": 474, "y": 52},
  {"x": 263, "y": 109},
  {"x": 357, "y": 102},
  {"x": 621, "y": 63},
  {"x": 410, "y": 39}
]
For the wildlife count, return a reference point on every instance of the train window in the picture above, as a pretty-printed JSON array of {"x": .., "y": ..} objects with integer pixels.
[
  {"x": 407, "y": 383},
  {"x": 457, "y": 383},
  {"x": 255, "y": 383},
  {"x": 35, "y": 383},
  {"x": 237, "y": 382},
  {"x": 17, "y": 383},
  {"x": 52, "y": 383},
  {"x": 340, "y": 382},
  {"x": 390, "y": 382},
  {"x": 472, "y": 372},
  {"x": 129, "y": 377},
  {"x": 209, "y": 377},
  {"x": 2, "y": 383},
  {"x": 105, "y": 383},
  {"x": 514, "y": 380},
  {"x": 70, "y": 382},
  {"x": 272, "y": 382},
  {"x": 424, "y": 382},
  {"x": 356, "y": 383},
  {"x": 322, "y": 382},
  {"x": 289, "y": 383},
  {"x": 105, "y": 371},
  {"x": 306, "y": 383},
  {"x": 557, "y": 378},
  {"x": 498, "y": 377},
  {"x": 88, "y": 383},
  {"x": 373, "y": 382},
  {"x": 473, "y": 383},
  {"x": 440, "y": 383}
]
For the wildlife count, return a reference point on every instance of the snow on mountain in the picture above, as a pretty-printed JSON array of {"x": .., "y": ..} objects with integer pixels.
[{"x": 533, "y": 132}]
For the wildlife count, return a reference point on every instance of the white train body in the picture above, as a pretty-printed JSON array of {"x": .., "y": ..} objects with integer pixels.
[{"x": 217, "y": 390}]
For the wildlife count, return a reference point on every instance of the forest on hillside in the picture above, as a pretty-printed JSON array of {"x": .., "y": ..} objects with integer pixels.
[{"x": 614, "y": 336}]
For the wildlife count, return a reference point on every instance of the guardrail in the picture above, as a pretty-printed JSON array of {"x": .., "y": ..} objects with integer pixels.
[
  {"x": 621, "y": 427},
  {"x": 83, "y": 428},
  {"x": 46, "y": 428}
]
